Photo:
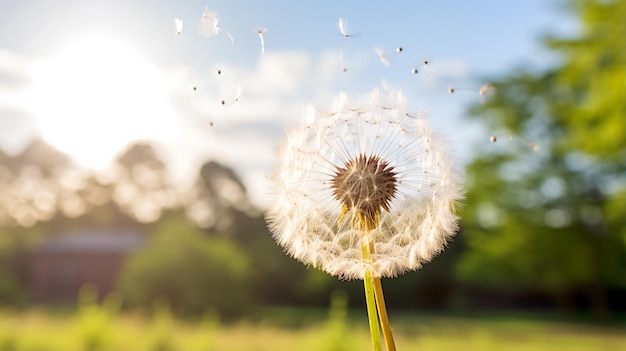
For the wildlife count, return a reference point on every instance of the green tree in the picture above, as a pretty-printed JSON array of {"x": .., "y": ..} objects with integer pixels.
[
  {"x": 194, "y": 273},
  {"x": 550, "y": 216}
]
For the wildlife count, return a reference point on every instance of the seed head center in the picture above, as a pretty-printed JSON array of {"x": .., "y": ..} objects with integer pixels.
[{"x": 365, "y": 183}]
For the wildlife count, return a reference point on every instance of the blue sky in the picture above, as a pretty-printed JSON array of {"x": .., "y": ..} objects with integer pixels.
[{"x": 91, "y": 76}]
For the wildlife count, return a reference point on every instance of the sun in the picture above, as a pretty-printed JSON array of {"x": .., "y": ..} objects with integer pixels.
[{"x": 95, "y": 96}]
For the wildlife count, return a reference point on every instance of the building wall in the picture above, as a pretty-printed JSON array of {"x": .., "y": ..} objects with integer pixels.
[{"x": 58, "y": 277}]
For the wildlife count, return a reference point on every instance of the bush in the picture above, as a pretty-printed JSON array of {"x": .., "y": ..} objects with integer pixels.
[{"x": 193, "y": 272}]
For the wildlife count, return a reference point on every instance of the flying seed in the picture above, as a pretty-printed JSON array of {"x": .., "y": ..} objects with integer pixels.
[
  {"x": 178, "y": 26},
  {"x": 260, "y": 32}
]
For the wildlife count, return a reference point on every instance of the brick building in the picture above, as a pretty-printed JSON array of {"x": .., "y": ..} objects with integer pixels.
[{"x": 62, "y": 264}]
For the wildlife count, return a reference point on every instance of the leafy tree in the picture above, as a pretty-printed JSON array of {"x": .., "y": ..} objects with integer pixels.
[
  {"x": 553, "y": 219},
  {"x": 194, "y": 273},
  {"x": 142, "y": 187}
]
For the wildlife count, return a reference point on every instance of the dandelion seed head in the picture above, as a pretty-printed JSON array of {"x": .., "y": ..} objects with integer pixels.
[{"x": 369, "y": 162}]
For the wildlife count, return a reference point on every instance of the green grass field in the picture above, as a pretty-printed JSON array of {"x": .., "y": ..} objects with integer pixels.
[{"x": 276, "y": 329}]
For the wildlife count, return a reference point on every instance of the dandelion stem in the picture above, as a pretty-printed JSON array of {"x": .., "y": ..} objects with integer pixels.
[
  {"x": 382, "y": 314},
  {"x": 370, "y": 300}
]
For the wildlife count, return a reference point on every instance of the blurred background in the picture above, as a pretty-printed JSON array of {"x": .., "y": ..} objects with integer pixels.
[{"x": 136, "y": 139}]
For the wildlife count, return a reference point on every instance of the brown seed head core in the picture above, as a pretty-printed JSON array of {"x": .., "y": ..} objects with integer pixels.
[{"x": 365, "y": 184}]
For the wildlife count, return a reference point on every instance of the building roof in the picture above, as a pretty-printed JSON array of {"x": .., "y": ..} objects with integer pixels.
[{"x": 96, "y": 241}]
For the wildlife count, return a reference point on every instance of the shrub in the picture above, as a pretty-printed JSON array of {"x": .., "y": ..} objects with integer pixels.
[{"x": 195, "y": 273}]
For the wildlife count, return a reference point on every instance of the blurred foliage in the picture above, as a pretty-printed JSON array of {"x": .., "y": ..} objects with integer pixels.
[
  {"x": 41, "y": 330},
  {"x": 337, "y": 335},
  {"x": 15, "y": 246},
  {"x": 193, "y": 272},
  {"x": 95, "y": 321},
  {"x": 553, "y": 219}
]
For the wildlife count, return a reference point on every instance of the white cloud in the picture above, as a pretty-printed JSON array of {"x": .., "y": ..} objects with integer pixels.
[
  {"x": 245, "y": 134},
  {"x": 16, "y": 125}
]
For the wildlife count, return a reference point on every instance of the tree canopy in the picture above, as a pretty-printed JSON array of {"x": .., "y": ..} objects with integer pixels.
[{"x": 546, "y": 208}]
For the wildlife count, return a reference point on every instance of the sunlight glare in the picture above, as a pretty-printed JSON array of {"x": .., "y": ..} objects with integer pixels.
[{"x": 97, "y": 95}]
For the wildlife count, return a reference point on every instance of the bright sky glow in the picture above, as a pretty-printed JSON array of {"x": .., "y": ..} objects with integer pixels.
[
  {"x": 90, "y": 77},
  {"x": 95, "y": 96}
]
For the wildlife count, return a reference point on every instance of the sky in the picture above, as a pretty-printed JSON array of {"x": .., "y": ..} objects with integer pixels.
[{"x": 89, "y": 77}]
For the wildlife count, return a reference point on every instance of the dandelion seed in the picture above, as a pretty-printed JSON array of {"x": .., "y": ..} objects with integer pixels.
[
  {"x": 344, "y": 69},
  {"x": 399, "y": 49},
  {"x": 178, "y": 26},
  {"x": 345, "y": 29},
  {"x": 382, "y": 56},
  {"x": 236, "y": 99},
  {"x": 426, "y": 66},
  {"x": 218, "y": 71},
  {"x": 450, "y": 90},
  {"x": 260, "y": 32},
  {"x": 366, "y": 164},
  {"x": 534, "y": 147},
  {"x": 209, "y": 25},
  {"x": 414, "y": 71},
  {"x": 486, "y": 89},
  {"x": 346, "y": 32}
]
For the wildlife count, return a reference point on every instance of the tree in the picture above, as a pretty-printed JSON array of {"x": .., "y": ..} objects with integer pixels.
[
  {"x": 193, "y": 273},
  {"x": 554, "y": 220},
  {"x": 142, "y": 187}
]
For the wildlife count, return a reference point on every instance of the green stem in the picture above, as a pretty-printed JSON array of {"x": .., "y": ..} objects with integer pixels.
[
  {"x": 382, "y": 314},
  {"x": 370, "y": 298},
  {"x": 371, "y": 310}
]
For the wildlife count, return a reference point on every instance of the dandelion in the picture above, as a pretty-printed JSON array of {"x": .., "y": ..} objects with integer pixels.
[
  {"x": 209, "y": 25},
  {"x": 365, "y": 190}
]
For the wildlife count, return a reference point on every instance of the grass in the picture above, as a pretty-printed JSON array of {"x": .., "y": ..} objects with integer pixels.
[{"x": 302, "y": 329}]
